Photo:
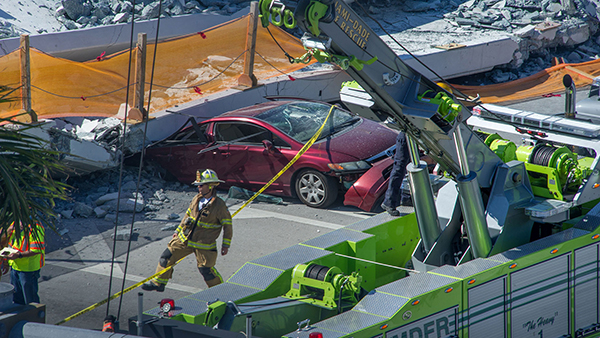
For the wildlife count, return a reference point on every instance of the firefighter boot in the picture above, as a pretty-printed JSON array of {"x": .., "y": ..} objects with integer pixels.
[
  {"x": 150, "y": 286},
  {"x": 213, "y": 282}
]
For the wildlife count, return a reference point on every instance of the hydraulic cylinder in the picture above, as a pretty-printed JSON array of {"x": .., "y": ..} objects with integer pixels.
[
  {"x": 424, "y": 204},
  {"x": 471, "y": 202}
]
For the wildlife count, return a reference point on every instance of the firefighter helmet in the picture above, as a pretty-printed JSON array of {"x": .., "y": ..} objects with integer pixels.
[
  {"x": 445, "y": 86},
  {"x": 206, "y": 176}
]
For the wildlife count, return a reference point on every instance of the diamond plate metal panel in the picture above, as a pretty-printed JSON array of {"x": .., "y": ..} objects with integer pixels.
[
  {"x": 224, "y": 292},
  {"x": 467, "y": 269},
  {"x": 255, "y": 276},
  {"x": 380, "y": 304},
  {"x": 591, "y": 220},
  {"x": 416, "y": 284},
  {"x": 335, "y": 237},
  {"x": 290, "y": 257},
  {"x": 545, "y": 243},
  {"x": 486, "y": 309},
  {"x": 188, "y": 306},
  {"x": 340, "y": 325},
  {"x": 371, "y": 222},
  {"x": 585, "y": 286}
]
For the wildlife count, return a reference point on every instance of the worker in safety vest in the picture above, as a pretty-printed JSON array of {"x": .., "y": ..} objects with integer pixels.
[
  {"x": 25, "y": 250},
  {"x": 197, "y": 233}
]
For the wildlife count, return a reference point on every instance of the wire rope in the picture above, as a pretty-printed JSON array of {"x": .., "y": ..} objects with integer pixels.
[
  {"x": 112, "y": 263},
  {"x": 146, "y": 120}
]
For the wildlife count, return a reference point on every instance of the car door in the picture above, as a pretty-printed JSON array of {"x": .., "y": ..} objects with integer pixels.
[
  {"x": 183, "y": 154},
  {"x": 244, "y": 160}
]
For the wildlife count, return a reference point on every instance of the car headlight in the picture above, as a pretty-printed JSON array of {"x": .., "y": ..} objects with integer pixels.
[{"x": 349, "y": 166}]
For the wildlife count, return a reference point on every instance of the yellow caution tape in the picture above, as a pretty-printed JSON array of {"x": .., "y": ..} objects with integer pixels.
[
  {"x": 302, "y": 151},
  {"x": 118, "y": 294}
]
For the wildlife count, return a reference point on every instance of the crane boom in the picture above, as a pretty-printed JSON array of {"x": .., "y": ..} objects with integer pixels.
[{"x": 423, "y": 109}]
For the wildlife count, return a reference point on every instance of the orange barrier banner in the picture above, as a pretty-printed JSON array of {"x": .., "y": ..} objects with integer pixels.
[
  {"x": 548, "y": 81},
  {"x": 186, "y": 68}
]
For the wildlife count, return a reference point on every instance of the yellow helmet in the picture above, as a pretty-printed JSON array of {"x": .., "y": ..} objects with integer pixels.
[
  {"x": 206, "y": 176},
  {"x": 445, "y": 86}
]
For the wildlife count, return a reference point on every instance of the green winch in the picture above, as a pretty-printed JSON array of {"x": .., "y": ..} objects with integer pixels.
[
  {"x": 553, "y": 171},
  {"x": 324, "y": 286}
]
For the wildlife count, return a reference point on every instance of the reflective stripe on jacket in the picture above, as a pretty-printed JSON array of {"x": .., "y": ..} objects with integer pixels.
[{"x": 35, "y": 242}]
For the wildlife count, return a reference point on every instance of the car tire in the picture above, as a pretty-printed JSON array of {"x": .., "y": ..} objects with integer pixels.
[
  {"x": 376, "y": 208},
  {"x": 315, "y": 189}
]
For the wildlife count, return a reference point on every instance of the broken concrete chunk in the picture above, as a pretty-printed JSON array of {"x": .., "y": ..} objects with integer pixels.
[
  {"x": 499, "y": 76},
  {"x": 113, "y": 196},
  {"x": 525, "y": 32},
  {"x": 569, "y": 6},
  {"x": 465, "y": 22},
  {"x": 100, "y": 212},
  {"x": 82, "y": 210},
  {"x": 107, "y": 197},
  {"x": 122, "y": 235},
  {"x": 103, "y": 190},
  {"x": 131, "y": 185},
  {"x": 169, "y": 227},
  {"x": 67, "y": 213},
  {"x": 160, "y": 195},
  {"x": 554, "y": 7},
  {"x": 127, "y": 204},
  {"x": 500, "y": 4},
  {"x": 578, "y": 34},
  {"x": 121, "y": 17},
  {"x": 574, "y": 57}
]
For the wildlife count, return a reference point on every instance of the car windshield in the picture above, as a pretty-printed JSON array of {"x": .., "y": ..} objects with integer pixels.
[{"x": 301, "y": 120}]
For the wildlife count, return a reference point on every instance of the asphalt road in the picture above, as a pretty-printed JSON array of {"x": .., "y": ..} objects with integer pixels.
[{"x": 78, "y": 257}]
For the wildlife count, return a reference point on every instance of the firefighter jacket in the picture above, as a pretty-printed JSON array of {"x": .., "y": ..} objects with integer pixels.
[
  {"x": 28, "y": 240},
  {"x": 201, "y": 228}
]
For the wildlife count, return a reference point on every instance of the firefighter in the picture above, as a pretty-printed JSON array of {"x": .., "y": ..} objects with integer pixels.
[{"x": 197, "y": 233}]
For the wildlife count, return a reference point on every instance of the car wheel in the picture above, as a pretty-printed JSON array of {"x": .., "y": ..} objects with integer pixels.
[
  {"x": 377, "y": 206},
  {"x": 315, "y": 189}
]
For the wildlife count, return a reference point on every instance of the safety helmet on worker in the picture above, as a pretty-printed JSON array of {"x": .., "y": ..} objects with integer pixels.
[
  {"x": 445, "y": 86},
  {"x": 207, "y": 176}
]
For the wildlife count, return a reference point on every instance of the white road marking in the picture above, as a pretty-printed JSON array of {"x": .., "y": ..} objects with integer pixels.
[{"x": 247, "y": 213}]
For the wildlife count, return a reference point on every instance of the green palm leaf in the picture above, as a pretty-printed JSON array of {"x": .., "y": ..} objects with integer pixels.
[{"x": 27, "y": 165}]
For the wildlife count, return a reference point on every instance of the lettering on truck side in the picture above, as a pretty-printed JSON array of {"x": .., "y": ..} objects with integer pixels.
[
  {"x": 442, "y": 324},
  {"x": 351, "y": 27}
]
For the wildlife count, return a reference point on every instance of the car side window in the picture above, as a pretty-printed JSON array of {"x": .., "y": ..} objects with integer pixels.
[
  {"x": 278, "y": 142},
  {"x": 241, "y": 133},
  {"x": 189, "y": 136}
]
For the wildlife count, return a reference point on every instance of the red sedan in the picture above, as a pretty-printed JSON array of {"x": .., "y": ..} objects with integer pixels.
[{"x": 248, "y": 146}]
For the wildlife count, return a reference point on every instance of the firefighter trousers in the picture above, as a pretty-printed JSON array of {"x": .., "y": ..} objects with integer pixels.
[{"x": 176, "y": 250}]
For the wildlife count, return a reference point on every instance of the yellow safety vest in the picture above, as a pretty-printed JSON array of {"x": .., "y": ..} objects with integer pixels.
[{"x": 35, "y": 242}]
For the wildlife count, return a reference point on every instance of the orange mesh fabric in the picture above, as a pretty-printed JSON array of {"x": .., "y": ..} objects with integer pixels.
[
  {"x": 185, "y": 70},
  {"x": 548, "y": 81}
]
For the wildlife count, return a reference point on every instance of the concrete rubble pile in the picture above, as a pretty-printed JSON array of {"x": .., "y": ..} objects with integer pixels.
[
  {"x": 97, "y": 195},
  {"x": 542, "y": 29},
  {"x": 76, "y": 14},
  {"x": 537, "y": 25}
]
